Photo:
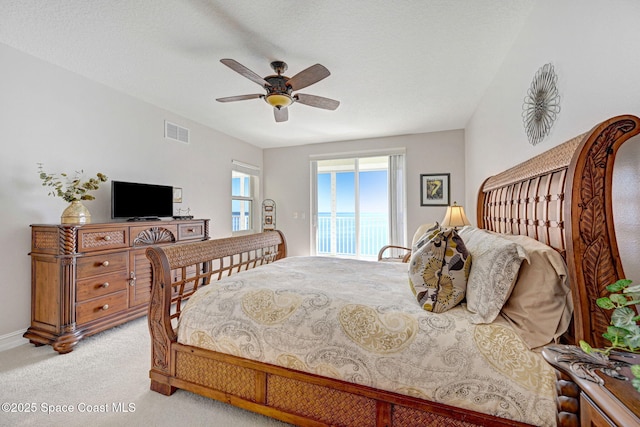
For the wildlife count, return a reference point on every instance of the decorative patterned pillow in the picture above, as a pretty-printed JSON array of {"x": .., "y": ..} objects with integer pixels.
[
  {"x": 438, "y": 271},
  {"x": 496, "y": 262},
  {"x": 423, "y": 234}
]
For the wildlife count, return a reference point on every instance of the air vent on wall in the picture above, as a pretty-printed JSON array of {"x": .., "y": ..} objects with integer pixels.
[{"x": 175, "y": 132}]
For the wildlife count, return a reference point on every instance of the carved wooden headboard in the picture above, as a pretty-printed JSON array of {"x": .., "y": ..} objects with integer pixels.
[{"x": 563, "y": 198}]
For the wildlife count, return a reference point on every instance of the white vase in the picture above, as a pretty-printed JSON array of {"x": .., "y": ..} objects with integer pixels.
[{"x": 76, "y": 213}]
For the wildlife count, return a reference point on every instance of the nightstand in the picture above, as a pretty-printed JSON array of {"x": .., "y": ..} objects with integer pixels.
[{"x": 583, "y": 402}]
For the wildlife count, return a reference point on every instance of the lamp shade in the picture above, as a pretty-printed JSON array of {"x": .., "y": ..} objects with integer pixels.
[
  {"x": 279, "y": 100},
  {"x": 455, "y": 217}
]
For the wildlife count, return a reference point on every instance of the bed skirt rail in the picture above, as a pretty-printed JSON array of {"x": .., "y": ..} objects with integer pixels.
[{"x": 305, "y": 399}]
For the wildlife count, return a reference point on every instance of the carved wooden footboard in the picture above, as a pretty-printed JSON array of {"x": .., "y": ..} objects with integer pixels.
[{"x": 178, "y": 271}]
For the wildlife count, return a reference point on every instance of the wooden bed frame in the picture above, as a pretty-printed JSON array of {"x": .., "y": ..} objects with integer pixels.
[{"x": 561, "y": 198}]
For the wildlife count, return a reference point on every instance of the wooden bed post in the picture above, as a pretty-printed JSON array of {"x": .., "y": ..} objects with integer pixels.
[
  {"x": 282, "y": 247},
  {"x": 162, "y": 333},
  {"x": 593, "y": 258}
]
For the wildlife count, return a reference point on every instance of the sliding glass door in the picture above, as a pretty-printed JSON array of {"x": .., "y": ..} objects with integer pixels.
[{"x": 353, "y": 206}]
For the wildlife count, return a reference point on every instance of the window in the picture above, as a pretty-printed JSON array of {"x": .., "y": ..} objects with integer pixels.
[
  {"x": 358, "y": 205},
  {"x": 244, "y": 186}
]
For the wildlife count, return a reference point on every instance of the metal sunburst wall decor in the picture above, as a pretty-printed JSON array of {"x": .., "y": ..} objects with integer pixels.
[{"x": 541, "y": 105}]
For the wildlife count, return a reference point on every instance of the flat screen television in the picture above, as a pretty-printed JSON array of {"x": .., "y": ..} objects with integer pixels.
[{"x": 136, "y": 201}]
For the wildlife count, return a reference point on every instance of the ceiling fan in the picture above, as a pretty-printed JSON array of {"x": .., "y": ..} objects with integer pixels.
[{"x": 279, "y": 88}]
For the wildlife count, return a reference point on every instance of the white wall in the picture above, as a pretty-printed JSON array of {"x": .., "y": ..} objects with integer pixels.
[
  {"x": 287, "y": 178},
  {"x": 593, "y": 45},
  {"x": 69, "y": 123},
  {"x": 626, "y": 205}
]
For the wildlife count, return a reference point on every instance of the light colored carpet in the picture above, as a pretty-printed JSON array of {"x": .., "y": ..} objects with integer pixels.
[{"x": 102, "y": 373}]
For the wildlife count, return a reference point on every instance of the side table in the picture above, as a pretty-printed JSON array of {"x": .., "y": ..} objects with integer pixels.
[{"x": 588, "y": 397}]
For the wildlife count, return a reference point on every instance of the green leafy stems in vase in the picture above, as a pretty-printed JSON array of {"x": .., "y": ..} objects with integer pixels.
[
  {"x": 623, "y": 332},
  {"x": 73, "y": 189}
]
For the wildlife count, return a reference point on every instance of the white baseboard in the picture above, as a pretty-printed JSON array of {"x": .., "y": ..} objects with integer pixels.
[{"x": 12, "y": 339}]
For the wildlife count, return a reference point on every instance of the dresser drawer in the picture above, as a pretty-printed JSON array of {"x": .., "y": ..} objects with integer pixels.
[
  {"x": 191, "y": 231},
  {"x": 108, "y": 238},
  {"x": 101, "y": 285},
  {"x": 591, "y": 415},
  {"x": 101, "y": 264},
  {"x": 153, "y": 234},
  {"x": 101, "y": 307}
]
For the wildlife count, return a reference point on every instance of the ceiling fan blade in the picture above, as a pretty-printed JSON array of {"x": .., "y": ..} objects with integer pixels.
[
  {"x": 281, "y": 114},
  {"x": 309, "y": 76},
  {"x": 317, "y": 101},
  {"x": 239, "y": 97},
  {"x": 241, "y": 69}
]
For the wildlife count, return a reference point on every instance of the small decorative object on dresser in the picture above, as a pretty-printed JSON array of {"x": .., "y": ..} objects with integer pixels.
[
  {"x": 187, "y": 214},
  {"x": 86, "y": 278},
  {"x": 72, "y": 189},
  {"x": 76, "y": 213}
]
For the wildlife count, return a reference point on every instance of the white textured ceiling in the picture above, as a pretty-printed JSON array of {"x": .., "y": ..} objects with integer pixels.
[{"x": 397, "y": 67}]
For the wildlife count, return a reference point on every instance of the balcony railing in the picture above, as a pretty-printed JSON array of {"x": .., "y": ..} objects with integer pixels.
[
  {"x": 337, "y": 234},
  {"x": 237, "y": 221}
]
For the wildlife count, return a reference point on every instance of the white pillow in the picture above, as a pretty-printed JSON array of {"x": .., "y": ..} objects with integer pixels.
[{"x": 494, "y": 270}]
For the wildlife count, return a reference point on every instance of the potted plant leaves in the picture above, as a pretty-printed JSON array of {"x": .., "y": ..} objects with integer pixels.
[{"x": 624, "y": 331}]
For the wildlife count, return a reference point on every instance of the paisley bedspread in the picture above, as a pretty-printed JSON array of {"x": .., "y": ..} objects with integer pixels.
[{"x": 358, "y": 321}]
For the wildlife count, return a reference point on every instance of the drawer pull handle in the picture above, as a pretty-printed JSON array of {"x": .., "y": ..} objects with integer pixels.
[
  {"x": 107, "y": 238},
  {"x": 132, "y": 278},
  {"x": 105, "y": 307},
  {"x": 105, "y": 285},
  {"x": 190, "y": 230},
  {"x": 105, "y": 264}
]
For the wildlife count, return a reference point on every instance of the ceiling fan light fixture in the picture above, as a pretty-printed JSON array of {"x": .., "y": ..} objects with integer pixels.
[
  {"x": 279, "y": 88},
  {"x": 279, "y": 100}
]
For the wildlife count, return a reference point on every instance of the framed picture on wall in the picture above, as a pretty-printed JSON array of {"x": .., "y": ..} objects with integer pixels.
[
  {"x": 434, "y": 189},
  {"x": 177, "y": 195}
]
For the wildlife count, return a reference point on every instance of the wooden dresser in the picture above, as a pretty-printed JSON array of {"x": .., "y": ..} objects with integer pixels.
[{"x": 90, "y": 277}]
